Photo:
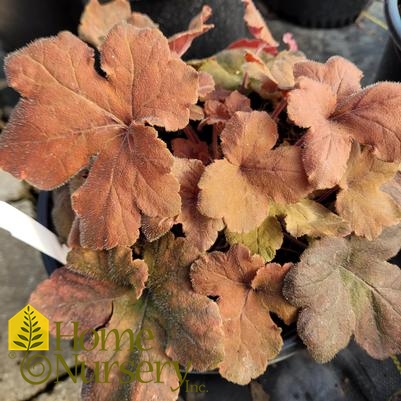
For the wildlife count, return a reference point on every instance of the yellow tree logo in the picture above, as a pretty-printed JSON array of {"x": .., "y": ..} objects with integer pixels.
[{"x": 28, "y": 330}]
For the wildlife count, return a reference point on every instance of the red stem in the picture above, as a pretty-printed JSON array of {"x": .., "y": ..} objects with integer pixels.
[
  {"x": 215, "y": 144},
  {"x": 191, "y": 134},
  {"x": 279, "y": 108}
]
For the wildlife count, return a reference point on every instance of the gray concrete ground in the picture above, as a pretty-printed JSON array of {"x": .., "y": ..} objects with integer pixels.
[{"x": 21, "y": 267}]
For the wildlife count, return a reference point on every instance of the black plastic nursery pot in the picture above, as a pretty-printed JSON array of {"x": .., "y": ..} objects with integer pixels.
[
  {"x": 174, "y": 17},
  {"x": 390, "y": 65},
  {"x": 318, "y": 13},
  {"x": 22, "y": 21}
]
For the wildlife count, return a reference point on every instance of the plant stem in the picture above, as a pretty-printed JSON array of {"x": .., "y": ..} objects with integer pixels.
[
  {"x": 215, "y": 145},
  {"x": 191, "y": 134},
  {"x": 279, "y": 108}
]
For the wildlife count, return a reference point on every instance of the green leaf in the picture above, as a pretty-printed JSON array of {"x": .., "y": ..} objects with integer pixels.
[
  {"x": 34, "y": 318},
  {"x": 264, "y": 241},
  {"x": 28, "y": 307},
  {"x": 22, "y": 337},
  {"x": 307, "y": 217},
  {"x": 346, "y": 288},
  {"x": 36, "y": 337},
  {"x": 35, "y": 330},
  {"x": 36, "y": 344},
  {"x": 26, "y": 324},
  {"x": 24, "y": 329},
  {"x": 20, "y": 344},
  {"x": 26, "y": 318},
  {"x": 34, "y": 324}
]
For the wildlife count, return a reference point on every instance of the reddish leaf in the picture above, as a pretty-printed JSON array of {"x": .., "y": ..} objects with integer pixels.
[
  {"x": 328, "y": 102},
  {"x": 200, "y": 230},
  {"x": 90, "y": 282},
  {"x": 220, "y": 106},
  {"x": 146, "y": 166},
  {"x": 256, "y": 24},
  {"x": 181, "y": 42},
  {"x": 251, "y": 175},
  {"x": 361, "y": 200},
  {"x": 186, "y": 327},
  {"x": 185, "y": 148},
  {"x": 247, "y": 291},
  {"x": 88, "y": 112},
  {"x": 346, "y": 287},
  {"x": 256, "y": 44}
]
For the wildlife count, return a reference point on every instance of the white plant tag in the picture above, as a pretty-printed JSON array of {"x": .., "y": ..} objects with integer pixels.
[{"x": 31, "y": 232}]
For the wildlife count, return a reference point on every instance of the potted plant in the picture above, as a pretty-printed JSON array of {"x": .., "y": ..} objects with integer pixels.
[
  {"x": 390, "y": 64},
  {"x": 23, "y": 20},
  {"x": 319, "y": 13},
  {"x": 207, "y": 197}
]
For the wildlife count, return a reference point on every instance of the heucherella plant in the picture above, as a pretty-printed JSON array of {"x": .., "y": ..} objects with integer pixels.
[{"x": 201, "y": 198}]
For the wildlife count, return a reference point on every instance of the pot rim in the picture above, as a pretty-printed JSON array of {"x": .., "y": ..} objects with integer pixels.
[{"x": 393, "y": 17}]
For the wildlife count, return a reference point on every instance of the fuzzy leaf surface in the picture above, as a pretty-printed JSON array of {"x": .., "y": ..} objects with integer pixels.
[
  {"x": 247, "y": 290},
  {"x": 185, "y": 327},
  {"x": 307, "y": 217},
  {"x": 329, "y": 102},
  {"x": 69, "y": 109},
  {"x": 200, "y": 230},
  {"x": 272, "y": 72},
  {"x": 361, "y": 201},
  {"x": 98, "y": 20},
  {"x": 264, "y": 240},
  {"x": 346, "y": 287},
  {"x": 256, "y": 24},
  {"x": 220, "y": 106},
  {"x": 181, "y": 42},
  {"x": 251, "y": 175}
]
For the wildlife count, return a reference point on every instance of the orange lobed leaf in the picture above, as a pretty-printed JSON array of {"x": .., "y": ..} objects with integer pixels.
[
  {"x": 185, "y": 148},
  {"x": 200, "y": 230},
  {"x": 361, "y": 200},
  {"x": 256, "y": 24},
  {"x": 181, "y": 42},
  {"x": 206, "y": 84},
  {"x": 328, "y": 101},
  {"x": 220, "y": 106},
  {"x": 247, "y": 291},
  {"x": 276, "y": 72},
  {"x": 251, "y": 175},
  {"x": 71, "y": 110},
  {"x": 345, "y": 287},
  {"x": 98, "y": 19}
]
